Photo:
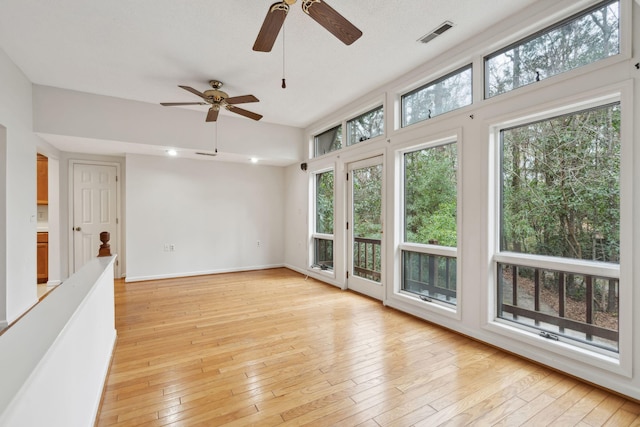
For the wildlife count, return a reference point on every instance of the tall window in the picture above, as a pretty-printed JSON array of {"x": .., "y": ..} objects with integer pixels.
[
  {"x": 328, "y": 141},
  {"x": 448, "y": 93},
  {"x": 584, "y": 38},
  {"x": 430, "y": 223},
  {"x": 559, "y": 248},
  {"x": 323, "y": 228},
  {"x": 365, "y": 126}
]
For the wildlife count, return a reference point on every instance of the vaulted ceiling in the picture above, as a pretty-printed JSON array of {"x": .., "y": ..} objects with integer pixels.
[{"x": 142, "y": 50}]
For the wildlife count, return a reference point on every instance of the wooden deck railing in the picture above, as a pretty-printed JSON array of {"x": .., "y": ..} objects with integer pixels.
[
  {"x": 367, "y": 258},
  {"x": 577, "y": 305},
  {"x": 323, "y": 253},
  {"x": 430, "y": 275}
]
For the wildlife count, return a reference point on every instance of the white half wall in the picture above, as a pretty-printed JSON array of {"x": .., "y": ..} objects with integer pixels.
[
  {"x": 54, "y": 360},
  {"x": 213, "y": 213}
]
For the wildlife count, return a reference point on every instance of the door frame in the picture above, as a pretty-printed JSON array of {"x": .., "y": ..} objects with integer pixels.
[
  {"x": 378, "y": 292},
  {"x": 118, "y": 246}
]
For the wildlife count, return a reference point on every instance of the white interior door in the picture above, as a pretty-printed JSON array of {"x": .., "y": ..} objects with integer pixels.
[
  {"x": 365, "y": 234},
  {"x": 94, "y": 210}
]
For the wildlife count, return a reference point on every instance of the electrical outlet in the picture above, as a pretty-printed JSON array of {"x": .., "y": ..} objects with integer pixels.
[
  {"x": 259, "y": 243},
  {"x": 172, "y": 247},
  {"x": 166, "y": 247}
]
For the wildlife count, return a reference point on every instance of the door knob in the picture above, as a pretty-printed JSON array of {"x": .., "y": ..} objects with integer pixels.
[{"x": 78, "y": 229}]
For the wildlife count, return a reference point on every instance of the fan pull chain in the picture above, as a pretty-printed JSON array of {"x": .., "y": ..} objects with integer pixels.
[
  {"x": 284, "y": 83},
  {"x": 216, "y": 145}
]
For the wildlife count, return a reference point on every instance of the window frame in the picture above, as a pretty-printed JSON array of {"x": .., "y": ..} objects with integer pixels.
[
  {"x": 315, "y": 137},
  {"x": 447, "y": 309},
  {"x": 623, "y": 48},
  {"x": 429, "y": 84},
  {"x": 314, "y": 234},
  {"x": 348, "y": 125},
  {"x": 620, "y": 362}
]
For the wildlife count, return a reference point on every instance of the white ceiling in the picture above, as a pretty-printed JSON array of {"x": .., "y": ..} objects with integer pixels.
[{"x": 142, "y": 50}]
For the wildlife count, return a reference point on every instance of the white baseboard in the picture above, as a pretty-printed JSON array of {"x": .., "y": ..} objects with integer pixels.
[{"x": 129, "y": 279}]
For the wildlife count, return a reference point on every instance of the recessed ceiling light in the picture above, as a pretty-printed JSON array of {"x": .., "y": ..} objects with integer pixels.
[
  {"x": 172, "y": 152},
  {"x": 254, "y": 160}
]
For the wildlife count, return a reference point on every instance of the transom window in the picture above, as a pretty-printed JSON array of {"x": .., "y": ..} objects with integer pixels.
[
  {"x": 584, "y": 38},
  {"x": 429, "y": 255},
  {"x": 448, "y": 93},
  {"x": 328, "y": 141},
  {"x": 559, "y": 247},
  {"x": 365, "y": 126}
]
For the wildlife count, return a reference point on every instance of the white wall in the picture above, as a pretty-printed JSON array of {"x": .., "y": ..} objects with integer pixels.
[
  {"x": 213, "y": 212},
  {"x": 295, "y": 211},
  {"x": 471, "y": 127},
  {"x": 18, "y": 195},
  {"x": 53, "y": 362}
]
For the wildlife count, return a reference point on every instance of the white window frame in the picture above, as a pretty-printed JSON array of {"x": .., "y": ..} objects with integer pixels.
[
  {"x": 623, "y": 47},
  {"x": 347, "y": 125},
  {"x": 621, "y": 362},
  {"x": 312, "y": 229},
  {"x": 436, "y": 306},
  {"x": 430, "y": 83}
]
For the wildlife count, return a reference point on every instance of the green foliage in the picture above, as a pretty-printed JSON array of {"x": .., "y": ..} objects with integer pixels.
[
  {"x": 430, "y": 198},
  {"x": 367, "y": 202},
  {"x": 584, "y": 40},
  {"x": 444, "y": 95},
  {"x": 366, "y": 126},
  {"x": 560, "y": 186},
  {"x": 324, "y": 202}
]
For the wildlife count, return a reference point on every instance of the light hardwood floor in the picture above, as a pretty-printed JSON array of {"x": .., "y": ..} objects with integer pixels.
[{"x": 269, "y": 348}]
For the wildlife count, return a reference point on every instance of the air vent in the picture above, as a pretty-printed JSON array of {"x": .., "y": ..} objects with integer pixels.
[
  {"x": 435, "y": 33},
  {"x": 206, "y": 154}
]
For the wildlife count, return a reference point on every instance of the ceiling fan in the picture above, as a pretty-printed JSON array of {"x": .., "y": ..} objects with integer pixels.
[
  {"x": 218, "y": 99},
  {"x": 320, "y": 11}
]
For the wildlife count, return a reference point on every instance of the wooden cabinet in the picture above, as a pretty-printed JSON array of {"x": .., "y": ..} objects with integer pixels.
[
  {"x": 43, "y": 257},
  {"x": 42, "y": 180}
]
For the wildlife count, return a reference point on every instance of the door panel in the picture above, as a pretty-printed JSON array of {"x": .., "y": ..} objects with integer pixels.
[
  {"x": 94, "y": 210},
  {"x": 366, "y": 227}
]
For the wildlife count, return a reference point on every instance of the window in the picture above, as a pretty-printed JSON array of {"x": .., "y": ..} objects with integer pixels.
[
  {"x": 323, "y": 228},
  {"x": 559, "y": 247},
  {"x": 366, "y": 126},
  {"x": 584, "y": 38},
  {"x": 429, "y": 255},
  {"x": 448, "y": 93},
  {"x": 328, "y": 141}
]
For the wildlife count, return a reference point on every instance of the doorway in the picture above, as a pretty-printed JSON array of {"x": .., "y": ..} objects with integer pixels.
[
  {"x": 95, "y": 206},
  {"x": 365, "y": 227}
]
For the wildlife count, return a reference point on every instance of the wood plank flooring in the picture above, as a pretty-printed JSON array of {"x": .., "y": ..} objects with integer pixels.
[{"x": 269, "y": 348}]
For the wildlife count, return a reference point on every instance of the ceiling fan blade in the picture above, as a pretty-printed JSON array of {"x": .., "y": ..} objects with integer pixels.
[
  {"x": 335, "y": 23},
  {"x": 193, "y": 91},
  {"x": 271, "y": 27},
  {"x": 172, "y": 104},
  {"x": 241, "y": 99},
  {"x": 212, "y": 115},
  {"x": 243, "y": 112}
]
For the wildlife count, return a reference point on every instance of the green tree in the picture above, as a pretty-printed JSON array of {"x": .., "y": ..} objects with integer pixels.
[
  {"x": 430, "y": 195},
  {"x": 560, "y": 186},
  {"x": 324, "y": 202}
]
